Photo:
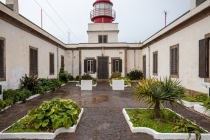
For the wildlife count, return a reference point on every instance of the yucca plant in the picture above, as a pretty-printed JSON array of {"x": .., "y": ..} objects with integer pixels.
[
  {"x": 155, "y": 92},
  {"x": 183, "y": 126}
]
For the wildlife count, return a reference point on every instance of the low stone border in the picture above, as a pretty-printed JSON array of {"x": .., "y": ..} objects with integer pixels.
[
  {"x": 73, "y": 81},
  {"x": 201, "y": 109},
  {"x": 40, "y": 135},
  {"x": 78, "y": 85},
  {"x": 124, "y": 85},
  {"x": 162, "y": 136},
  {"x": 190, "y": 104}
]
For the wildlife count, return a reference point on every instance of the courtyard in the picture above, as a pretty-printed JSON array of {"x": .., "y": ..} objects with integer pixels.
[{"x": 102, "y": 118}]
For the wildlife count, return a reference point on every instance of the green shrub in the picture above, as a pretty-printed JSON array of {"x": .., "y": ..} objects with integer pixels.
[
  {"x": 8, "y": 102},
  {"x": 9, "y": 94},
  {"x": 135, "y": 74},
  {"x": 1, "y": 104},
  {"x": 127, "y": 80},
  {"x": 201, "y": 97},
  {"x": 77, "y": 78},
  {"x": 65, "y": 77},
  {"x": 24, "y": 94},
  {"x": 29, "y": 83},
  {"x": 115, "y": 75},
  {"x": 54, "y": 114},
  {"x": 206, "y": 104},
  {"x": 86, "y": 76}
]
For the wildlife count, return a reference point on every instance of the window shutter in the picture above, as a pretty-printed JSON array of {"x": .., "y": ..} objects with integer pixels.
[
  {"x": 113, "y": 65},
  {"x": 120, "y": 67},
  {"x": 35, "y": 62},
  {"x": 31, "y": 62},
  {"x": 203, "y": 58},
  {"x": 176, "y": 66},
  {"x": 1, "y": 59},
  {"x": 51, "y": 63},
  {"x": 94, "y": 65},
  {"x": 85, "y": 66}
]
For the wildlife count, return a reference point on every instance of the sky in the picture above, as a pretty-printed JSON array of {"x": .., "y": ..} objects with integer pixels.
[{"x": 138, "y": 19}]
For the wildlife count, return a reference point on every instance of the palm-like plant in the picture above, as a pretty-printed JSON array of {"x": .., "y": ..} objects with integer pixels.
[{"x": 155, "y": 92}]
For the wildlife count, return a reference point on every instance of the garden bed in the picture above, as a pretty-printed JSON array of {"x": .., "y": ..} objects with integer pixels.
[
  {"x": 40, "y": 135},
  {"x": 163, "y": 133},
  {"x": 201, "y": 109}
]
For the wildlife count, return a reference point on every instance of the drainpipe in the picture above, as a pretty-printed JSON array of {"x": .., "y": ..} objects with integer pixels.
[
  {"x": 57, "y": 62},
  {"x": 134, "y": 58},
  {"x": 72, "y": 63},
  {"x": 149, "y": 59}
]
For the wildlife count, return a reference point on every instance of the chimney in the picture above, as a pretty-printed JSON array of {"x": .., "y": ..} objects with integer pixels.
[
  {"x": 13, "y": 4},
  {"x": 192, "y": 4}
]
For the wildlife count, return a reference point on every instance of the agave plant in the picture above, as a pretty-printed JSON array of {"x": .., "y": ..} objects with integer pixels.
[{"x": 155, "y": 92}]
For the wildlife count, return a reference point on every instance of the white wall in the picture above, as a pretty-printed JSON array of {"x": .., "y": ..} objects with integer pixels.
[
  {"x": 96, "y": 29},
  {"x": 17, "y": 55},
  {"x": 188, "y": 40},
  {"x": 68, "y": 62},
  {"x": 133, "y": 60},
  {"x": 110, "y": 53}
]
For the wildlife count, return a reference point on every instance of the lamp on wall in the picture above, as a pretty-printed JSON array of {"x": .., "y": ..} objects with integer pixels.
[{"x": 102, "y": 51}]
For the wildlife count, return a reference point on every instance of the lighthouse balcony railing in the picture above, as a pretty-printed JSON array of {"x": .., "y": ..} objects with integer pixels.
[{"x": 102, "y": 12}]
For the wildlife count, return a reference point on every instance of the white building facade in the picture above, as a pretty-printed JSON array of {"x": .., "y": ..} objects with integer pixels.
[{"x": 180, "y": 50}]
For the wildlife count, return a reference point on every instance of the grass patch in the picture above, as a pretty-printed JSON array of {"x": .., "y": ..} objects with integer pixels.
[
  {"x": 195, "y": 98},
  {"x": 145, "y": 118},
  {"x": 23, "y": 126}
]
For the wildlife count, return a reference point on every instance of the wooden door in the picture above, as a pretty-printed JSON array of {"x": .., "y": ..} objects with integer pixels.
[{"x": 102, "y": 67}]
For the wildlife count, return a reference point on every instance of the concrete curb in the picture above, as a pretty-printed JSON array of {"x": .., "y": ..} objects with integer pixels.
[
  {"x": 40, "y": 135},
  {"x": 162, "y": 136},
  {"x": 190, "y": 104},
  {"x": 201, "y": 109}
]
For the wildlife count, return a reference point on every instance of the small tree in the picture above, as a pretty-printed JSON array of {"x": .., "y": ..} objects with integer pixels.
[{"x": 155, "y": 92}]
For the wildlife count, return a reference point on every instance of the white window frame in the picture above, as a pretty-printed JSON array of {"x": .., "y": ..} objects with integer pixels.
[{"x": 90, "y": 64}]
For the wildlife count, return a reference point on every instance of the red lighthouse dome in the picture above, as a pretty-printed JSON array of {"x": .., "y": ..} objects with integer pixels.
[{"x": 102, "y": 12}]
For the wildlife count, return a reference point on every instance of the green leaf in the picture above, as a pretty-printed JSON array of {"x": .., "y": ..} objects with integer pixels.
[
  {"x": 37, "y": 124},
  {"x": 74, "y": 111},
  {"x": 67, "y": 122},
  {"x": 51, "y": 112},
  {"x": 45, "y": 123},
  {"x": 40, "y": 116},
  {"x": 57, "y": 123}
]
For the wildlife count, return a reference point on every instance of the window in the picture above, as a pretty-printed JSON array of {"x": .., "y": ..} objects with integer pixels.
[
  {"x": 174, "y": 61},
  {"x": 89, "y": 65},
  {"x": 51, "y": 64},
  {"x": 62, "y": 60},
  {"x": 198, "y": 2},
  {"x": 102, "y": 39},
  {"x": 116, "y": 65},
  {"x": 204, "y": 58},
  {"x": 33, "y": 62},
  {"x": 2, "y": 61},
  {"x": 155, "y": 63}
]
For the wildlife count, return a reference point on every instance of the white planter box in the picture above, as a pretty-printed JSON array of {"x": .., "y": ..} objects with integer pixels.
[
  {"x": 162, "y": 136},
  {"x": 86, "y": 84},
  {"x": 118, "y": 85},
  {"x": 40, "y": 135},
  {"x": 190, "y": 104},
  {"x": 201, "y": 109}
]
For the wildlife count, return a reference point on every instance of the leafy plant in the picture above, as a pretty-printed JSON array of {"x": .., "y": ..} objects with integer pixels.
[
  {"x": 1, "y": 104},
  {"x": 155, "y": 92},
  {"x": 86, "y": 76},
  {"x": 9, "y": 94},
  {"x": 64, "y": 76},
  {"x": 77, "y": 78},
  {"x": 115, "y": 75},
  {"x": 24, "y": 94},
  {"x": 29, "y": 83},
  {"x": 54, "y": 114},
  {"x": 127, "y": 80},
  {"x": 135, "y": 74},
  {"x": 8, "y": 102},
  {"x": 201, "y": 97},
  {"x": 206, "y": 104},
  {"x": 183, "y": 126}
]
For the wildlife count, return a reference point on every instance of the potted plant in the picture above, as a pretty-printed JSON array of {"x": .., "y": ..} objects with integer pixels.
[{"x": 86, "y": 82}]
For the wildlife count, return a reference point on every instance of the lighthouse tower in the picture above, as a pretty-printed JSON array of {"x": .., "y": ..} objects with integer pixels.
[{"x": 102, "y": 30}]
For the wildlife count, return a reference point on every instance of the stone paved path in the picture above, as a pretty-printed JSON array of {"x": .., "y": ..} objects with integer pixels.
[{"x": 102, "y": 118}]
